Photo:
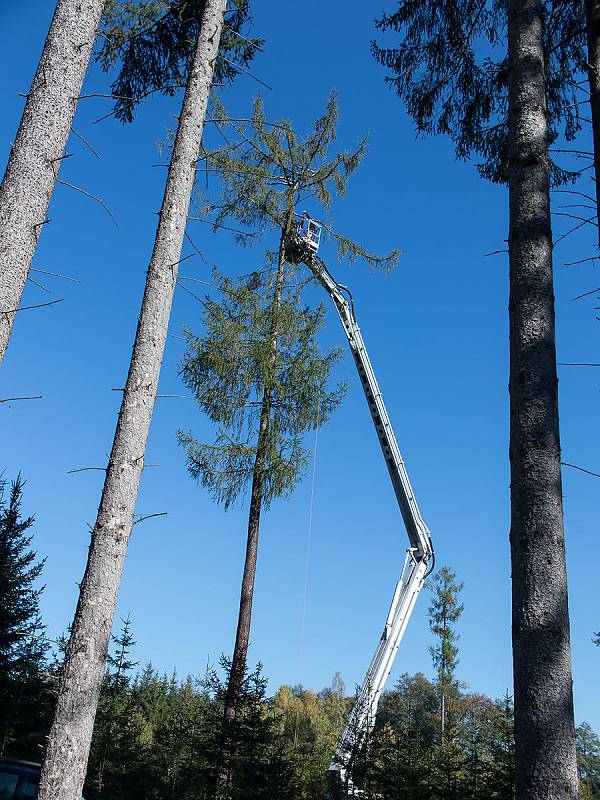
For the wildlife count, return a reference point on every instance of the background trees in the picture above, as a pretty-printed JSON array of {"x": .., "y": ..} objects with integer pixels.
[
  {"x": 25, "y": 699},
  {"x": 158, "y": 736}
]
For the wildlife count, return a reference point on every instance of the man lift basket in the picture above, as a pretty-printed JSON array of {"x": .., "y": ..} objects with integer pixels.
[{"x": 303, "y": 242}]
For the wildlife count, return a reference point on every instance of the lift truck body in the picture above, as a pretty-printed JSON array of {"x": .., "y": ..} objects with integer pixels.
[{"x": 302, "y": 247}]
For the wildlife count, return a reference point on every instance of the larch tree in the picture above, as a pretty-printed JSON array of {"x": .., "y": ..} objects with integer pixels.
[
  {"x": 39, "y": 147},
  {"x": 192, "y": 42},
  {"x": 508, "y": 106},
  {"x": 444, "y": 613},
  {"x": 258, "y": 373},
  {"x": 276, "y": 389}
]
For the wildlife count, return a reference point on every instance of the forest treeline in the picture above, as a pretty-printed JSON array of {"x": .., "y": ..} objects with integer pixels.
[
  {"x": 506, "y": 82},
  {"x": 157, "y": 736}
]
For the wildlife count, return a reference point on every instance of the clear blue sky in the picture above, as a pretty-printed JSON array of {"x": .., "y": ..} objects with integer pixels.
[{"x": 437, "y": 332}]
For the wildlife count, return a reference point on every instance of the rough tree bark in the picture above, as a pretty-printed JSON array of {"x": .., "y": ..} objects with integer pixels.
[
  {"x": 592, "y": 12},
  {"x": 242, "y": 637},
  {"x": 35, "y": 157},
  {"x": 67, "y": 750},
  {"x": 544, "y": 728}
]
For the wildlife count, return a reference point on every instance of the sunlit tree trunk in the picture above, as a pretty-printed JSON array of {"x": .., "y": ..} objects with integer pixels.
[
  {"x": 64, "y": 767},
  {"x": 35, "y": 157},
  {"x": 544, "y": 729}
]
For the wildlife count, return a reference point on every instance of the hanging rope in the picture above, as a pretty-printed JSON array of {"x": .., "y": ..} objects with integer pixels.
[{"x": 308, "y": 539}]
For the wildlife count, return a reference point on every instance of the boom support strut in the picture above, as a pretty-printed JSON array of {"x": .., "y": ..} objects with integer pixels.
[{"x": 419, "y": 556}]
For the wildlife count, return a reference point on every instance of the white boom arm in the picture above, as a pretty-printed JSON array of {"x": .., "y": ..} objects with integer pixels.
[{"x": 419, "y": 556}]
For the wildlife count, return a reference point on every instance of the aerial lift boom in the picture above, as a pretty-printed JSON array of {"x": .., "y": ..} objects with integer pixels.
[{"x": 419, "y": 556}]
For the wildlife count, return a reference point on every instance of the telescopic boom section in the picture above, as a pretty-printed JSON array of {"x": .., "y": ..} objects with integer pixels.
[{"x": 419, "y": 557}]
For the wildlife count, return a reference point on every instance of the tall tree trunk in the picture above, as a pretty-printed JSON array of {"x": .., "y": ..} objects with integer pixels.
[
  {"x": 242, "y": 637},
  {"x": 592, "y": 12},
  {"x": 544, "y": 729},
  {"x": 68, "y": 745},
  {"x": 35, "y": 157}
]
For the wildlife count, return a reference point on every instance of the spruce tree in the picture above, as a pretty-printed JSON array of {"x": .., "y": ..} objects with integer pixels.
[
  {"x": 277, "y": 389},
  {"x": 501, "y": 80},
  {"x": 501, "y": 774},
  {"x": 23, "y": 645},
  {"x": 114, "y": 709},
  {"x": 444, "y": 612}
]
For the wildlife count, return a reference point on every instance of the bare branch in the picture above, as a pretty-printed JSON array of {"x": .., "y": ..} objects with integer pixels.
[
  {"x": 224, "y": 227},
  {"x": 572, "y": 230},
  {"x": 139, "y": 99},
  {"x": 149, "y": 516},
  {"x": 244, "y": 71},
  {"x": 28, "y": 308},
  {"x": 86, "y": 469},
  {"x": 586, "y": 294},
  {"x": 39, "y": 285},
  {"x": 243, "y": 38},
  {"x": 93, "y": 197},
  {"x": 85, "y": 141},
  {"x": 56, "y": 275},
  {"x": 581, "y": 261},
  {"x": 101, "y": 469},
  {"x": 575, "y": 364},
  {"x": 11, "y": 399},
  {"x": 581, "y": 469},
  {"x": 175, "y": 396},
  {"x": 181, "y": 260},
  {"x": 572, "y": 191},
  {"x": 61, "y": 158},
  {"x": 191, "y": 241}
]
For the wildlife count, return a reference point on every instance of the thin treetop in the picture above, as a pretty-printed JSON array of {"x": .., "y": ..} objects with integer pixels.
[
  {"x": 154, "y": 47},
  {"x": 268, "y": 172}
]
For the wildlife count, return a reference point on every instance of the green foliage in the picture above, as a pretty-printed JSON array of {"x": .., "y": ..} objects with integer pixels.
[
  {"x": 588, "y": 758},
  {"x": 450, "y": 68},
  {"x": 310, "y": 726},
  {"x": 401, "y": 747},
  {"x": 113, "y": 741},
  {"x": 269, "y": 170},
  {"x": 24, "y": 686},
  {"x": 152, "y": 43},
  {"x": 157, "y": 738},
  {"x": 228, "y": 369},
  {"x": 404, "y": 758}
]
